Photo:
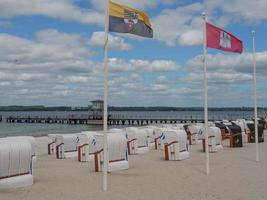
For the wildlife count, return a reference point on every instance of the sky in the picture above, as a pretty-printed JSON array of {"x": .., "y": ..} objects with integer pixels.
[{"x": 52, "y": 54}]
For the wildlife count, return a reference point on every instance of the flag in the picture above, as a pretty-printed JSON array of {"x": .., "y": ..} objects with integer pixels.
[
  {"x": 124, "y": 19},
  {"x": 222, "y": 40}
]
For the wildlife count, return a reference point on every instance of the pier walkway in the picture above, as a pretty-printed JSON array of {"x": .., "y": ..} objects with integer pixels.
[{"x": 97, "y": 120}]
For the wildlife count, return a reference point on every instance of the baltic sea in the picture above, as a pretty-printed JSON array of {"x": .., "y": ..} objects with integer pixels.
[{"x": 15, "y": 129}]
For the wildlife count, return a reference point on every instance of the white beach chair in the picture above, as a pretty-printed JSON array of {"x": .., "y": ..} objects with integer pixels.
[
  {"x": 66, "y": 146},
  {"x": 51, "y": 146},
  {"x": 158, "y": 132},
  {"x": 117, "y": 153},
  {"x": 151, "y": 136},
  {"x": 193, "y": 129},
  {"x": 137, "y": 140},
  {"x": 218, "y": 138},
  {"x": 214, "y": 138},
  {"x": 132, "y": 144},
  {"x": 29, "y": 139},
  {"x": 244, "y": 128},
  {"x": 86, "y": 145},
  {"x": 175, "y": 144},
  {"x": 16, "y": 163},
  {"x": 159, "y": 136}
]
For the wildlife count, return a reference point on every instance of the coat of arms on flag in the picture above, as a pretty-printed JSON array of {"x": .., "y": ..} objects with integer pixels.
[
  {"x": 130, "y": 18},
  {"x": 225, "y": 40},
  {"x": 124, "y": 19}
]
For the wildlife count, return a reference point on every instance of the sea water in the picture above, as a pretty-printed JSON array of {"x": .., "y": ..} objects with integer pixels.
[
  {"x": 38, "y": 129},
  {"x": 35, "y": 129}
]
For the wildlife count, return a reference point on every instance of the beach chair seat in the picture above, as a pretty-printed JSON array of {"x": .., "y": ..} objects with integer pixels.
[
  {"x": 158, "y": 132},
  {"x": 137, "y": 140},
  {"x": 251, "y": 134},
  {"x": 117, "y": 153},
  {"x": 211, "y": 144},
  {"x": 214, "y": 139},
  {"x": 224, "y": 130},
  {"x": 151, "y": 136},
  {"x": 86, "y": 145},
  {"x": 66, "y": 146},
  {"x": 244, "y": 129},
  {"x": 218, "y": 137},
  {"x": 192, "y": 134},
  {"x": 235, "y": 136},
  {"x": 189, "y": 137},
  {"x": 262, "y": 121},
  {"x": 51, "y": 146},
  {"x": 16, "y": 163},
  {"x": 142, "y": 141},
  {"x": 132, "y": 144},
  {"x": 175, "y": 145}
]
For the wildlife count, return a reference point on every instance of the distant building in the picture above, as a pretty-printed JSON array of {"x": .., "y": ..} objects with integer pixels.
[
  {"x": 96, "y": 110},
  {"x": 97, "y": 105}
]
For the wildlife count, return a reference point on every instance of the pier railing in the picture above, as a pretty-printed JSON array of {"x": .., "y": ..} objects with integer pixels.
[{"x": 116, "y": 119}]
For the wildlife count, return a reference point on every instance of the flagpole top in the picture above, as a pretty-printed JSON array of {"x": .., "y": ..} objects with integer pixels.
[{"x": 204, "y": 16}]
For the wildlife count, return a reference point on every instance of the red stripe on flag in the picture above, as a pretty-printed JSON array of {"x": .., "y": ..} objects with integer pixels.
[{"x": 222, "y": 40}]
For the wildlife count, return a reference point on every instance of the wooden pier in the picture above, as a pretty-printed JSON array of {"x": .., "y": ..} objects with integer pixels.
[
  {"x": 139, "y": 121},
  {"x": 53, "y": 120},
  {"x": 97, "y": 120}
]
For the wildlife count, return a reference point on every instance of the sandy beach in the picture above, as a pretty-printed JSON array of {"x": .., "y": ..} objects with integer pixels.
[{"x": 234, "y": 175}]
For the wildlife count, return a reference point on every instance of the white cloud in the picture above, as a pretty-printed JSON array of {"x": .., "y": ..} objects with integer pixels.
[
  {"x": 231, "y": 63},
  {"x": 56, "y": 65},
  {"x": 191, "y": 38},
  {"x": 245, "y": 10},
  {"x": 20, "y": 77},
  {"x": 60, "y": 9},
  {"x": 226, "y": 71},
  {"x": 140, "y": 4},
  {"x": 41, "y": 65},
  {"x": 135, "y": 77},
  {"x": 114, "y": 42},
  {"x": 51, "y": 50},
  {"x": 183, "y": 25},
  {"x": 161, "y": 79},
  {"x": 77, "y": 79},
  {"x": 155, "y": 65},
  {"x": 140, "y": 66},
  {"x": 160, "y": 87}
]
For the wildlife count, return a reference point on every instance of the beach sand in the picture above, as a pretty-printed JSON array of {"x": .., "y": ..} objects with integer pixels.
[{"x": 234, "y": 175}]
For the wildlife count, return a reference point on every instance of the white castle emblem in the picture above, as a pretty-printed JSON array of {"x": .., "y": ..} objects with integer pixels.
[{"x": 225, "y": 40}]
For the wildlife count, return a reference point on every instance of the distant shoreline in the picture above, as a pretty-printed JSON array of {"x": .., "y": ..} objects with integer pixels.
[{"x": 114, "y": 108}]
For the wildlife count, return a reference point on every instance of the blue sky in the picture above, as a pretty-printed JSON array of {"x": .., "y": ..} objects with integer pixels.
[{"x": 52, "y": 54}]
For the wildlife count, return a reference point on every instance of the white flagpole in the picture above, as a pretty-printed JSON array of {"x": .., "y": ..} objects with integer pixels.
[
  {"x": 205, "y": 93},
  {"x": 255, "y": 97},
  {"x": 105, "y": 118}
]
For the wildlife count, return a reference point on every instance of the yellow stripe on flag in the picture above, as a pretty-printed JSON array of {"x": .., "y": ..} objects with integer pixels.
[{"x": 117, "y": 10}]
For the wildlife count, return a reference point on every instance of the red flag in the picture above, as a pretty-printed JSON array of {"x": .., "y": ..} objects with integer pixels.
[{"x": 222, "y": 40}]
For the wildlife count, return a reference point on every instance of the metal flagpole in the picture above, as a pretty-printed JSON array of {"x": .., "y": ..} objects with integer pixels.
[
  {"x": 105, "y": 119},
  {"x": 255, "y": 97},
  {"x": 205, "y": 93}
]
